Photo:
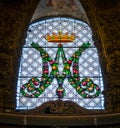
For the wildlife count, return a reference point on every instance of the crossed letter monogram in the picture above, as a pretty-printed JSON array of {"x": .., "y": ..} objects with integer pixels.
[{"x": 85, "y": 87}]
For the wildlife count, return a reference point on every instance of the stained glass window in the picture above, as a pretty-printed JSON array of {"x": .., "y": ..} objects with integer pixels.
[{"x": 59, "y": 61}]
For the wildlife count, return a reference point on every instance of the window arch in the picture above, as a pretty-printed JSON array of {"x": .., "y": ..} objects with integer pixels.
[{"x": 67, "y": 70}]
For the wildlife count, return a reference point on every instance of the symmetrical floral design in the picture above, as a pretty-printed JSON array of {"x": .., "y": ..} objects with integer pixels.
[
  {"x": 61, "y": 63},
  {"x": 84, "y": 87}
]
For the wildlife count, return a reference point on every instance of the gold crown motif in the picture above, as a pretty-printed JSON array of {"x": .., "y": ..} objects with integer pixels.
[{"x": 60, "y": 37}]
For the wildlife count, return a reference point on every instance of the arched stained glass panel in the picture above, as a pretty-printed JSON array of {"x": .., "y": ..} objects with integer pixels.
[{"x": 65, "y": 68}]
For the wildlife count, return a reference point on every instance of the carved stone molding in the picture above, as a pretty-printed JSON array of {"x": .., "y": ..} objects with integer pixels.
[
  {"x": 61, "y": 107},
  {"x": 57, "y": 120}
]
